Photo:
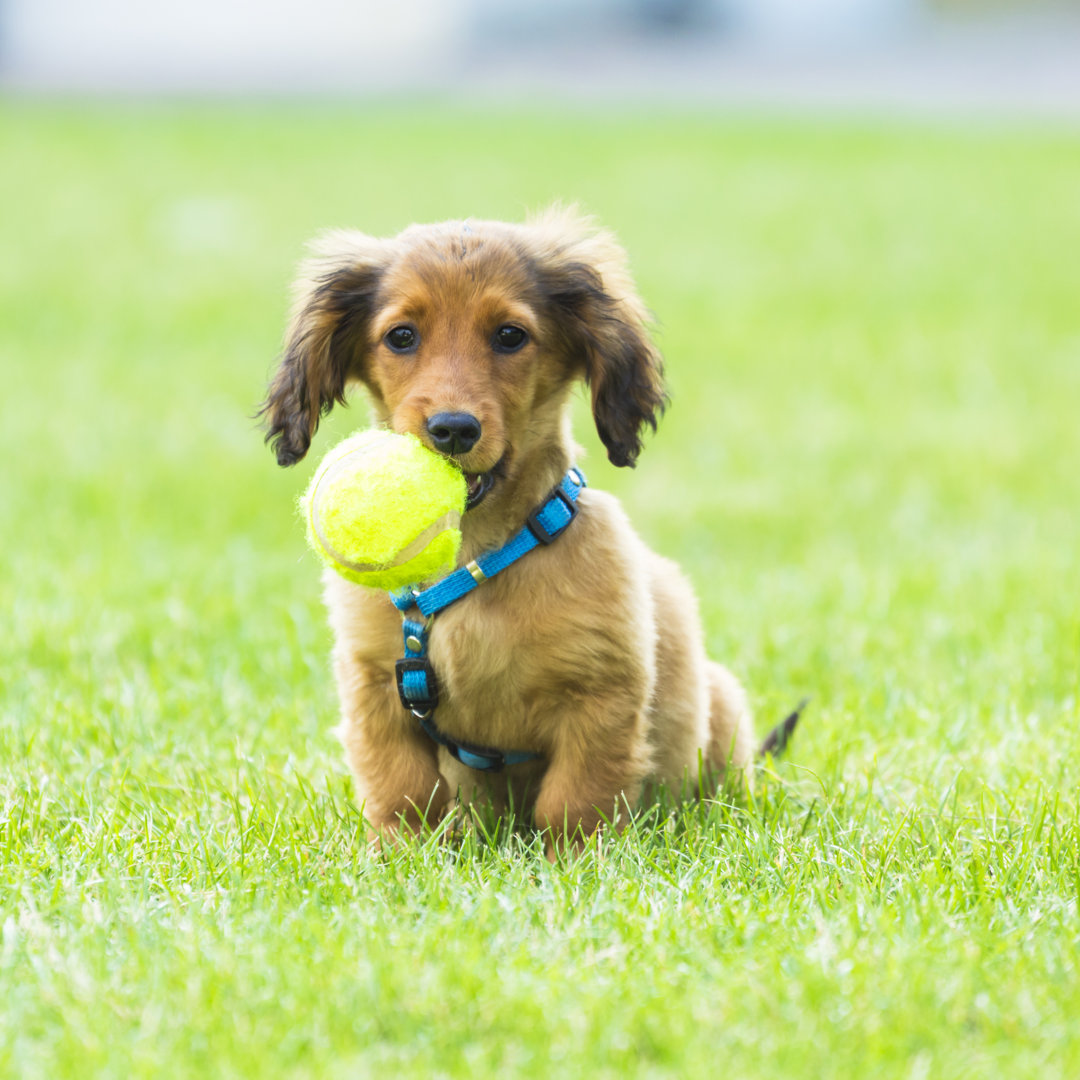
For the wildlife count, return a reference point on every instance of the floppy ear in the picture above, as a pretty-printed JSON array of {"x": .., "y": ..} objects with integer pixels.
[
  {"x": 326, "y": 339},
  {"x": 604, "y": 324}
]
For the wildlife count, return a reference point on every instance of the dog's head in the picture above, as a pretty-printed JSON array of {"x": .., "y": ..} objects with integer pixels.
[{"x": 469, "y": 335}]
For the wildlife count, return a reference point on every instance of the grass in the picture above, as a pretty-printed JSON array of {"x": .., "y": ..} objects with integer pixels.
[{"x": 870, "y": 470}]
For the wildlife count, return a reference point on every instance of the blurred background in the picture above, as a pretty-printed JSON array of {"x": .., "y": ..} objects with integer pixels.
[
  {"x": 1003, "y": 54},
  {"x": 855, "y": 221}
]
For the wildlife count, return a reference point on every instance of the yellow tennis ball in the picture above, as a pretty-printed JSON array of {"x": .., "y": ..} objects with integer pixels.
[{"x": 384, "y": 511}]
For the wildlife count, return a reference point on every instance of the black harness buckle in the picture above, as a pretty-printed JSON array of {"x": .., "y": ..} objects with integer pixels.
[
  {"x": 423, "y": 703},
  {"x": 535, "y": 525}
]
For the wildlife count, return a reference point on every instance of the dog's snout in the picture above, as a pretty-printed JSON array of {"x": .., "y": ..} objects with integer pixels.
[{"x": 454, "y": 432}]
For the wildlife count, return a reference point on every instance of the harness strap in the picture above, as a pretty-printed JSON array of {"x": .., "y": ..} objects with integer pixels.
[
  {"x": 544, "y": 525},
  {"x": 416, "y": 682},
  {"x": 482, "y": 758}
]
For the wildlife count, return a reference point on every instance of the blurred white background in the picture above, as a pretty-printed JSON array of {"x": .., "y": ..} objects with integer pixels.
[{"x": 904, "y": 54}]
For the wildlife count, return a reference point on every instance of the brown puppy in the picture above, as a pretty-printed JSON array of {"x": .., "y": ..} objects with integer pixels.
[{"x": 589, "y": 652}]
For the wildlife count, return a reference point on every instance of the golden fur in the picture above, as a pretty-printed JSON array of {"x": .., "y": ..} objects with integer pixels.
[{"x": 590, "y": 651}]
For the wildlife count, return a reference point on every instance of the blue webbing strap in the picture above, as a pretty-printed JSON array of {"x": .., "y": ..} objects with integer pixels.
[
  {"x": 482, "y": 758},
  {"x": 417, "y": 686},
  {"x": 545, "y": 524}
]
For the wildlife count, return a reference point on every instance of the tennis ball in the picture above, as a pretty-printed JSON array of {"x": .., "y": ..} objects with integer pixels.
[{"x": 384, "y": 511}]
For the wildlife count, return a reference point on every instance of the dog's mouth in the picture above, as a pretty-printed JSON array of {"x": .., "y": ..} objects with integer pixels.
[{"x": 478, "y": 485}]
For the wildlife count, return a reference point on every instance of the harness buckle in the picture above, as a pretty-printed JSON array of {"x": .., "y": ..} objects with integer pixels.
[
  {"x": 419, "y": 695},
  {"x": 537, "y": 528}
]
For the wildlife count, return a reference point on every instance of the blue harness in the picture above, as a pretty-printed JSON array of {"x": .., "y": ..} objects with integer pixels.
[{"x": 416, "y": 684}]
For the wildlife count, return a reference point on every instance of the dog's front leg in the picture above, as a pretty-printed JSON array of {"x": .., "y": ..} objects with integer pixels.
[
  {"x": 597, "y": 766},
  {"x": 394, "y": 764}
]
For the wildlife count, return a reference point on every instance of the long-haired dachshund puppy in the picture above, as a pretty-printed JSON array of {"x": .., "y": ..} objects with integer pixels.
[{"x": 581, "y": 667}]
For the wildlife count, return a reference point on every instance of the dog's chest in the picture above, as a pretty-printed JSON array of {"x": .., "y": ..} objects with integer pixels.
[
  {"x": 485, "y": 656},
  {"x": 496, "y": 660}
]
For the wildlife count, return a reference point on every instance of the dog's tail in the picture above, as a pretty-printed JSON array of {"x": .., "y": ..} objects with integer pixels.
[{"x": 776, "y": 741}]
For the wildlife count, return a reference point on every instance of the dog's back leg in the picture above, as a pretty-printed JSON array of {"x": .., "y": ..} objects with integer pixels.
[{"x": 731, "y": 727}]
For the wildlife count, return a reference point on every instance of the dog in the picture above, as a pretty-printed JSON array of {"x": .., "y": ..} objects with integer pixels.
[{"x": 588, "y": 652}]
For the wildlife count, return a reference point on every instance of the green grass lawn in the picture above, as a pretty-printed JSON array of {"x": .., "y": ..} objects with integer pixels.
[{"x": 871, "y": 470}]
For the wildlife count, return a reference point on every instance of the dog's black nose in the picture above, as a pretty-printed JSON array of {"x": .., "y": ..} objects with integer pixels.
[{"x": 454, "y": 432}]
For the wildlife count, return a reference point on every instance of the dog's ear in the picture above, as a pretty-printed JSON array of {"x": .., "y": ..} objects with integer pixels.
[
  {"x": 327, "y": 336},
  {"x": 585, "y": 281}
]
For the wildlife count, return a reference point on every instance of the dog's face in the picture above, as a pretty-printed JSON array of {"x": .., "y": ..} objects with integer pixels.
[
  {"x": 460, "y": 354},
  {"x": 469, "y": 336}
]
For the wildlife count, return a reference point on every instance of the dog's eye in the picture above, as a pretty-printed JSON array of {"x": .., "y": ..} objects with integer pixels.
[
  {"x": 509, "y": 338},
  {"x": 401, "y": 338}
]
